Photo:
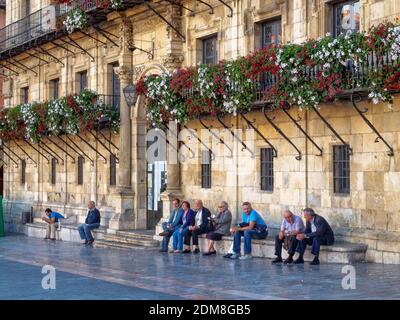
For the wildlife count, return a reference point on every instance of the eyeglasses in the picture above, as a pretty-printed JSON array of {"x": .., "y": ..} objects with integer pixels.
[{"x": 219, "y": 207}]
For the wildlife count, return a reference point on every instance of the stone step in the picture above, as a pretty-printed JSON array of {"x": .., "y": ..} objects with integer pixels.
[
  {"x": 143, "y": 235},
  {"x": 120, "y": 245},
  {"x": 137, "y": 241}
]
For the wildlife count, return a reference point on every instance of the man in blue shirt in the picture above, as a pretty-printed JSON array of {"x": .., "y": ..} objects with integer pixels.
[
  {"x": 51, "y": 218},
  {"x": 92, "y": 222},
  {"x": 253, "y": 226},
  {"x": 174, "y": 222}
]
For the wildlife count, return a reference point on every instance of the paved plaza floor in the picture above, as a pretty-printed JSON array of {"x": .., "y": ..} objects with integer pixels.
[{"x": 103, "y": 273}]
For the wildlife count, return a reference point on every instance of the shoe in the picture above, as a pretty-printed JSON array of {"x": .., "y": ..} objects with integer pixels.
[
  {"x": 209, "y": 253},
  {"x": 90, "y": 242},
  {"x": 277, "y": 260},
  {"x": 163, "y": 234},
  {"x": 315, "y": 262},
  {"x": 299, "y": 260},
  {"x": 53, "y": 239},
  {"x": 177, "y": 251},
  {"x": 228, "y": 255},
  {"x": 186, "y": 251},
  {"x": 288, "y": 260},
  {"x": 46, "y": 238},
  {"x": 163, "y": 250},
  {"x": 245, "y": 257},
  {"x": 171, "y": 251},
  {"x": 196, "y": 251},
  {"x": 234, "y": 256},
  {"x": 85, "y": 242}
]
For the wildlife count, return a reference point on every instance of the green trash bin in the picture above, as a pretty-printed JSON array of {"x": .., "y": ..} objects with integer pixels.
[{"x": 1, "y": 218}]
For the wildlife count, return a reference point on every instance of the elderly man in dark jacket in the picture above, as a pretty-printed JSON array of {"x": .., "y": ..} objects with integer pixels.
[
  {"x": 201, "y": 225},
  {"x": 92, "y": 222},
  {"x": 318, "y": 232}
]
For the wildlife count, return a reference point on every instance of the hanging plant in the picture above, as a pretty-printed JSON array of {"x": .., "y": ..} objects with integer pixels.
[{"x": 76, "y": 19}]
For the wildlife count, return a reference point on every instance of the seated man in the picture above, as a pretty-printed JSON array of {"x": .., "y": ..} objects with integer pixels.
[
  {"x": 201, "y": 225},
  {"x": 174, "y": 222},
  {"x": 318, "y": 232},
  {"x": 252, "y": 227},
  {"x": 92, "y": 222},
  {"x": 291, "y": 226},
  {"x": 51, "y": 218}
]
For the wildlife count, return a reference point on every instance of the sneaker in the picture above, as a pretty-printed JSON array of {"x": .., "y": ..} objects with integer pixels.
[
  {"x": 46, "y": 238},
  {"x": 171, "y": 251},
  {"x": 245, "y": 257},
  {"x": 315, "y": 262},
  {"x": 177, "y": 251},
  {"x": 196, "y": 251},
  {"x": 164, "y": 234},
  {"x": 288, "y": 260},
  {"x": 209, "y": 253},
  {"x": 90, "y": 242},
  {"x": 234, "y": 256},
  {"x": 186, "y": 251},
  {"x": 85, "y": 242},
  {"x": 299, "y": 260},
  {"x": 228, "y": 255},
  {"x": 277, "y": 260}
]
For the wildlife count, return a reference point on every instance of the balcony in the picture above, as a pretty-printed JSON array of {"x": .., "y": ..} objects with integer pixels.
[{"x": 35, "y": 28}]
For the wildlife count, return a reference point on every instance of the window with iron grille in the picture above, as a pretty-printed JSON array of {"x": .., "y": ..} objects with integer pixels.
[
  {"x": 341, "y": 169},
  {"x": 25, "y": 95},
  {"x": 271, "y": 33},
  {"x": 80, "y": 170},
  {"x": 206, "y": 169},
  {"x": 346, "y": 18},
  {"x": 267, "y": 169},
  {"x": 113, "y": 170},
  {"x": 210, "y": 50},
  {"x": 83, "y": 81},
  {"x": 54, "y": 88},
  {"x": 53, "y": 170},
  {"x": 23, "y": 171},
  {"x": 115, "y": 87}
]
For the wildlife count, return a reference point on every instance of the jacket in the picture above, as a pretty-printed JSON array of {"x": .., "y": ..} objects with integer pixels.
[
  {"x": 222, "y": 222},
  {"x": 175, "y": 218},
  {"x": 323, "y": 229},
  {"x": 93, "y": 216}
]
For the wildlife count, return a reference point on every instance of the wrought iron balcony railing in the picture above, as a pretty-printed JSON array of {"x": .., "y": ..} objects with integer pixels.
[
  {"x": 112, "y": 102},
  {"x": 35, "y": 25}
]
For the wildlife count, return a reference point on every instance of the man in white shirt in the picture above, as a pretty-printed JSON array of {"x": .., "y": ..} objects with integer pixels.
[
  {"x": 291, "y": 226},
  {"x": 201, "y": 225}
]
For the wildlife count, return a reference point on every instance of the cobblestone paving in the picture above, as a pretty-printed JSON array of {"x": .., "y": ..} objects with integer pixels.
[{"x": 102, "y": 273}]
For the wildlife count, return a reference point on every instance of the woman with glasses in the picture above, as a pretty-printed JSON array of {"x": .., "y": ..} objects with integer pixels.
[
  {"x": 187, "y": 221},
  {"x": 222, "y": 224}
]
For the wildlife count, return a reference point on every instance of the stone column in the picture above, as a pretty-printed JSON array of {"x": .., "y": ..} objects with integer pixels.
[
  {"x": 172, "y": 60},
  {"x": 124, "y": 197}
]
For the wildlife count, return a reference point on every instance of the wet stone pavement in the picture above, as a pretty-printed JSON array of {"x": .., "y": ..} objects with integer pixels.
[{"x": 103, "y": 273}]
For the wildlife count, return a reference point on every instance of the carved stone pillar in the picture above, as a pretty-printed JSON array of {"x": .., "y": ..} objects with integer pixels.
[{"x": 124, "y": 216}]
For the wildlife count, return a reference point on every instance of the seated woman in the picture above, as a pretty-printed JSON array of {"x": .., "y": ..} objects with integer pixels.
[
  {"x": 222, "y": 224},
  {"x": 187, "y": 220}
]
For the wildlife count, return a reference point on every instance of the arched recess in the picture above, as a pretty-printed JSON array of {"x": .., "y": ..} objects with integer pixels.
[{"x": 146, "y": 218}]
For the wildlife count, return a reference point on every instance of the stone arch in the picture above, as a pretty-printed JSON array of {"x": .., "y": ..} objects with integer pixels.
[{"x": 139, "y": 111}]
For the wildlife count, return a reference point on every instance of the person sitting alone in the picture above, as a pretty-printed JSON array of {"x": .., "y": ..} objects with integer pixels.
[
  {"x": 221, "y": 226},
  {"x": 174, "y": 222},
  {"x": 92, "y": 222},
  {"x": 51, "y": 218},
  {"x": 253, "y": 226},
  {"x": 318, "y": 232},
  {"x": 291, "y": 226}
]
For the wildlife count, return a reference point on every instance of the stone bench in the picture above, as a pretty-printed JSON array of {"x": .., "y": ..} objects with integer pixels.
[
  {"x": 340, "y": 252},
  {"x": 68, "y": 232}
]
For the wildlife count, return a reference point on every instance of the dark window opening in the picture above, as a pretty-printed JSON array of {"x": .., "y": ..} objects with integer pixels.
[
  {"x": 341, "y": 169},
  {"x": 83, "y": 80},
  {"x": 113, "y": 170},
  {"x": 80, "y": 170},
  {"x": 271, "y": 33},
  {"x": 23, "y": 171},
  {"x": 53, "y": 170},
  {"x": 54, "y": 88},
  {"x": 346, "y": 18},
  {"x": 206, "y": 169},
  {"x": 210, "y": 50},
  {"x": 267, "y": 169},
  {"x": 25, "y": 95}
]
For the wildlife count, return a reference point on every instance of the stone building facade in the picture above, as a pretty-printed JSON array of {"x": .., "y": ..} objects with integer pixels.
[{"x": 195, "y": 32}]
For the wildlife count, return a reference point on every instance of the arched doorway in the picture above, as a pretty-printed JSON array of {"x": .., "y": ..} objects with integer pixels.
[{"x": 155, "y": 173}]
